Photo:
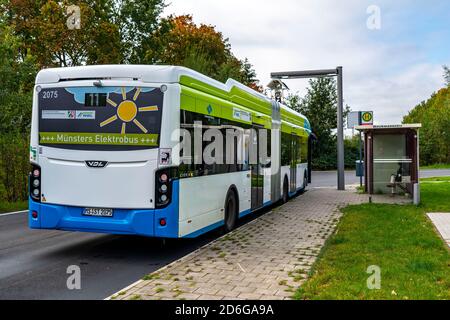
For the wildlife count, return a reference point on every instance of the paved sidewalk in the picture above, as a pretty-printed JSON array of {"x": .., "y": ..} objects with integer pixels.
[
  {"x": 267, "y": 258},
  {"x": 442, "y": 224}
]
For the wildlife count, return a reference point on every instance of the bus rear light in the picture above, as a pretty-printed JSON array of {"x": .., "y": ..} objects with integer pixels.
[
  {"x": 163, "y": 177},
  {"x": 35, "y": 183},
  {"x": 34, "y": 214},
  {"x": 163, "y": 186},
  {"x": 162, "y": 222}
]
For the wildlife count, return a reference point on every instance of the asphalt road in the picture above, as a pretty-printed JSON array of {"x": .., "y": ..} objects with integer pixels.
[
  {"x": 329, "y": 178},
  {"x": 33, "y": 263}
]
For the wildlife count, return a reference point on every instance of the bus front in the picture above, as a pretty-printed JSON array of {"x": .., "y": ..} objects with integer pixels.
[{"x": 97, "y": 164}]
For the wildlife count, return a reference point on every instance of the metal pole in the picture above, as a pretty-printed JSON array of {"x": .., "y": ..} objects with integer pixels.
[
  {"x": 360, "y": 157},
  {"x": 340, "y": 131},
  {"x": 340, "y": 121}
]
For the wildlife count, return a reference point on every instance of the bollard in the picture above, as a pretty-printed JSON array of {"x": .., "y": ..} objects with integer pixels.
[{"x": 416, "y": 194}]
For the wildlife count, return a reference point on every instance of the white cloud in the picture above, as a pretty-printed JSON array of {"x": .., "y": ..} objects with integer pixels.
[{"x": 387, "y": 76}]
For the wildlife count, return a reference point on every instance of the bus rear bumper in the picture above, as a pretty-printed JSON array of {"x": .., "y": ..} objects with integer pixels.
[{"x": 131, "y": 222}]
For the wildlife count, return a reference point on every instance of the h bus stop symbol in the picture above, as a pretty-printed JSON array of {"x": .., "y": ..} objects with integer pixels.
[{"x": 366, "y": 118}]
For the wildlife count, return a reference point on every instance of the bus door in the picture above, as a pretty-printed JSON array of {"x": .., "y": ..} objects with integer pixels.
[
  {"x": 257, "y": 173},
  {"x": 293, "y": 169}
]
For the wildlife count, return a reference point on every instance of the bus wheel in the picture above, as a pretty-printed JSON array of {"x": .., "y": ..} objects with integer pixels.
[
  {"x": 230, "y": 211},
  {"x": 285, "y": 190}
]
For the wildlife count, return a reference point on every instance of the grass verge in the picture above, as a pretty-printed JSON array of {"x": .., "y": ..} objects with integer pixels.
[
  {"x": 414, "y": 260},
  {"x": 435, "y": 179},
  {"x": 13, "y": 206},
  {"x": 436, "y": 166}
]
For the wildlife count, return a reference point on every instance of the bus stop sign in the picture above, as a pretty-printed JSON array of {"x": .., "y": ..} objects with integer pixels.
[{"x": 366, "y": 118}]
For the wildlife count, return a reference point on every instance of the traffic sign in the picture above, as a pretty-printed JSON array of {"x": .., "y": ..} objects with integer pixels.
[
  {"x": 359, "y": 118},
  {"x": 353, "y": 119},
  {"x": 366, "y": 118}
]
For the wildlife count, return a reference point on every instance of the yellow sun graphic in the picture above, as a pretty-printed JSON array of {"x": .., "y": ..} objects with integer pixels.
[{"x": 127, "y": 110}]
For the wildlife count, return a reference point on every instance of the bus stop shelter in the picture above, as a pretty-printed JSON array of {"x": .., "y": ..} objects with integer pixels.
[{"x": 391, "y": 159}]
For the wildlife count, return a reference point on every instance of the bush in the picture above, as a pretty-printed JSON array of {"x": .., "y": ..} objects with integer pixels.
[
  {"x": 14, "y": 167},
  {"x": 327, "y": 160}
]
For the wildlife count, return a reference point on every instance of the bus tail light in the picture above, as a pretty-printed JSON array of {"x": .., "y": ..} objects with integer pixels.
[
  {"x": 35, "y": 183},
  {"x": 163, "y": 186},
  {"x": 34, "y": 214}
]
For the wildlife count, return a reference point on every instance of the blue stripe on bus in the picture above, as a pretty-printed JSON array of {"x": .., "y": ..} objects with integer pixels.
[
  {"x": 248, "y": 211},
  {"x": 135, "y": 222},
  {"x": 204, "y": 230},
  {"x": 244, "y": 213},
  {"x": 221, "y": 223},
  {"x": 267, "y": 203}
]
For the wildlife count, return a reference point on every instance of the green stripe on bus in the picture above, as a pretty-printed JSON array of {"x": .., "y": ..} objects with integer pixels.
[
  {"x": 111, "y": 139},
  {"x": 203, "y": 103},
  {"x": 195, "y": 94}
]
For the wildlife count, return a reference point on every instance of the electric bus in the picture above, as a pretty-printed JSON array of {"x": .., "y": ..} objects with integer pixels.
[{"x": 105, "y": 151}]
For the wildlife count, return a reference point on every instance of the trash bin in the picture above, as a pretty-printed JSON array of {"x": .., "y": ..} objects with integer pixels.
[{"x": 360, "y": 168}]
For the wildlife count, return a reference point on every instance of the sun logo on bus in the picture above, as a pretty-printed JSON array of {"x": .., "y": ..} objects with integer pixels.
[{"x": 127, "y": 111}]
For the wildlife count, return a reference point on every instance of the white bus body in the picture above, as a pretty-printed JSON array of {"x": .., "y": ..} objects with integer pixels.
[{"x": 99, "y": 165}]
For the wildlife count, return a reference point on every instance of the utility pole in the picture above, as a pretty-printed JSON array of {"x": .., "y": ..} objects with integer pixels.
[
  {"x": 360, "y": 157},
  {"x": 340, "y": 131}
]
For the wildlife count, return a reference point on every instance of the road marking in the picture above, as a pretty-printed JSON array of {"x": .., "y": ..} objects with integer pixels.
[{"x": 11, "y": 213}]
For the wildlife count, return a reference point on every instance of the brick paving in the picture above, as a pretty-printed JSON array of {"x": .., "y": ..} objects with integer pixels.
[
  {"x": 267, "y": 258},
  {"x": 442, "y": 224}
]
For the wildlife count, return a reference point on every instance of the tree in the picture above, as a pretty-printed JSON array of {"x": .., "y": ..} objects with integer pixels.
[
  {"x": 137, "y": 21},
  {"x": 41, "y": 26},
  {"x": 179, "y": 41},
  {"x": 320, "y": 107},
  {"x": 447, "y": 75},
  {"x": 16, "y": 77},
  {"x": 434, "y": 115}
]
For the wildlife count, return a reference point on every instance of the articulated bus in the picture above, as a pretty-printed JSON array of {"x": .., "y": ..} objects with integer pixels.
[{"x": 105, "y": 151}]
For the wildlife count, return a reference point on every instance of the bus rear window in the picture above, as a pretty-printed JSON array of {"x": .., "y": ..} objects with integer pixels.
[{"x": 100, "y": 118}]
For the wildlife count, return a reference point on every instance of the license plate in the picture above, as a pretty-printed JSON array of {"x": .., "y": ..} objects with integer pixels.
[{"x": 98, "y": 212}]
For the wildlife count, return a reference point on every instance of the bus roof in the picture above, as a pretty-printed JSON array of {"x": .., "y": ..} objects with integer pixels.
[{"x": 231, "y": 90}]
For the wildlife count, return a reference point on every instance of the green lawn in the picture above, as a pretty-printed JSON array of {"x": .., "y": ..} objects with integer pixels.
[
  {"x": 435, "y": 179},
  {"x": 414, "y": 260},
  {"x": 436, "y": 166},
  {"x": 13, "y": 206}
]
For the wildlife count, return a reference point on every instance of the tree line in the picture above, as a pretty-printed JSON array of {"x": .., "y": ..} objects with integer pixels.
[
  {"x": 434, "y": 114},
  {"x": 319, "y": 105}
]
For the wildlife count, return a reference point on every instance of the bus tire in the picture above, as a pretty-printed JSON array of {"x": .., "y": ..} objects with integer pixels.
[
  {"x": 285, "y": 190},
  {"x": 231, "y": 209}
]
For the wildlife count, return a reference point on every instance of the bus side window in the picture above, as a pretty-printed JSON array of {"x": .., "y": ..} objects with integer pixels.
[
  {"x": 285, "y": 149},
  {"x": 241, "y": 145}
]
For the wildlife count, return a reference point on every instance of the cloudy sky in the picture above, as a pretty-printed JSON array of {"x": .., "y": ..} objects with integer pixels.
[{"x": 388, "y": 69}]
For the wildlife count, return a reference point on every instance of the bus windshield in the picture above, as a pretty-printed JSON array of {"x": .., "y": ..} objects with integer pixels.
[{"x": 100, "y": 118}]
